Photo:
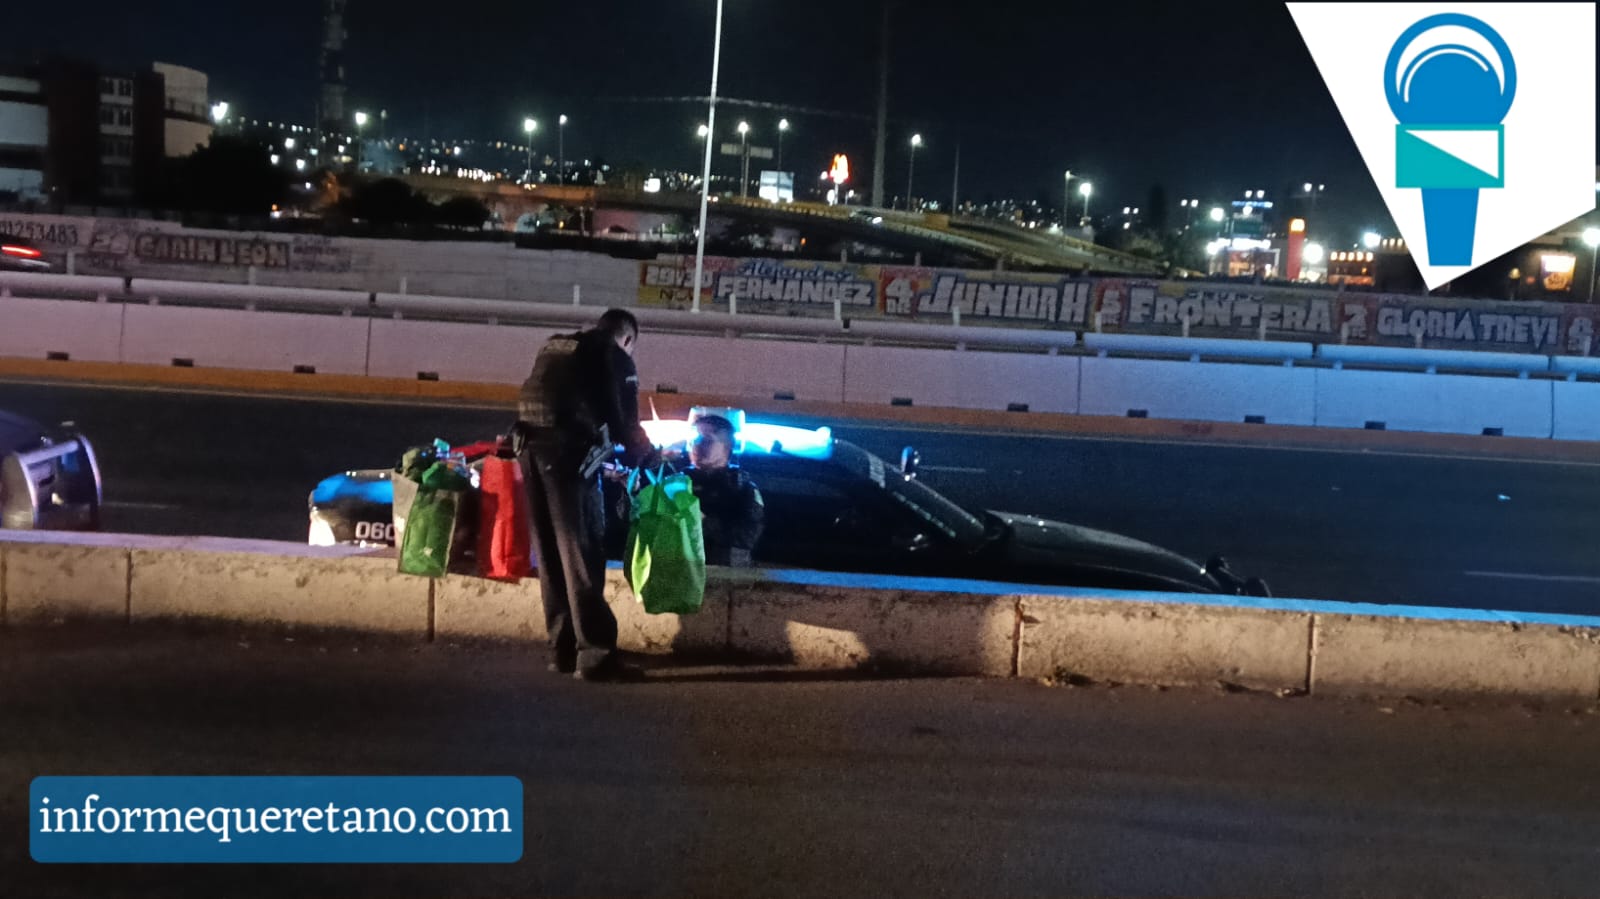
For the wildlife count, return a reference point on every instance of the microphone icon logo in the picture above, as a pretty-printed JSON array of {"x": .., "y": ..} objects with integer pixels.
[{"x": 1450, "y": 80}]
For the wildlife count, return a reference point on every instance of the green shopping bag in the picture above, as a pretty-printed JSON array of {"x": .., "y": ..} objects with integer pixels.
[
  {"x": 666, "y": 553},
  {"x": 431, "y": 524}
]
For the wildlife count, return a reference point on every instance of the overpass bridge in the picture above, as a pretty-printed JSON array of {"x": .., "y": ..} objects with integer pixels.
[{"x": 939, "y": 239}]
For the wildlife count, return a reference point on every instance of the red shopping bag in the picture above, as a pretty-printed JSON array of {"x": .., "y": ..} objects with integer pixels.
[{"x": 505, "y": 545}]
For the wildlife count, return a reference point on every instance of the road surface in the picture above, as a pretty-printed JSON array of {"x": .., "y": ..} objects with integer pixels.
[
  {"x": 1343, "y": 525},
  {"x": 715, "y": 783}
]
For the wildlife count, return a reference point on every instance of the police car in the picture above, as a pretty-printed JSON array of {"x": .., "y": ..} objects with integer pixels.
[
  {"x": 49, "y": 477},
  {"x": 833, "y": 506}
]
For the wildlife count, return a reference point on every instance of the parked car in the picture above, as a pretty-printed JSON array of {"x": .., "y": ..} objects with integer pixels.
[
  {"x": 49, "y": 477},
  {"x": 18, "y": 255},
  {"x": 834, "y": 506}
]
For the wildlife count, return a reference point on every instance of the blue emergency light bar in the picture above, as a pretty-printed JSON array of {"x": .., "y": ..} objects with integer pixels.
[{"x": 755, "y": 437}]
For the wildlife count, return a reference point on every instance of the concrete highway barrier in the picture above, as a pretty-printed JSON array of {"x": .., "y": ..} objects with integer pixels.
[{"x": 829, "y": 621}]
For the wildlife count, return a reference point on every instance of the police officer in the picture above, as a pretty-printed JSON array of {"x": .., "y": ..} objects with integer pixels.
[
  {"x": 729, "y": 501},
  {"x": 581, "y": 399}
]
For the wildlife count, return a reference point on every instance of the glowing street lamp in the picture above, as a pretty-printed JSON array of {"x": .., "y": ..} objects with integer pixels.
[
  {"x": 1217, "y": 215},
  {"x": 1371, "y": 240},
  {"x": 1066, "y": 198},
  {"x": 219, "y": 111},
  {"x": 361, "y": 123},
  {"x": 911, "y": 170},
  {"x": 783, "y": 126},
  {"x": 529, "y": 126},
  {"x": 561, "y": 146},
  {"x": 1313, "y": 253},
  {"x": 744, "y": 143},
  {"x": 1087, "y": 190}
]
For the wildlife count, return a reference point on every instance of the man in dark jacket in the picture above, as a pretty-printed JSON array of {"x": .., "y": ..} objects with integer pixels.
[
  {"x": 729, "y": 501},
  {"x": 580, "y": 401}
]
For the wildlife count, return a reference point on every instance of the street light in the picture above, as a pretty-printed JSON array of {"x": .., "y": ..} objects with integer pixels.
[
  {"x": 744, "y": 173},
  {"x": 703, "y": 131},
  {"x": 561, "y": 147},
  {"x": 1591, "y": 236},
  {"x": 361, "y": 122},
  {"x": 288, "y": 143},
  {"x": 1086, "y": 189},
  {"x": 1371, "y": 240},
  {"x": 911, "y": 170},
  {"x": 1217, "y": 215},
  {"x": 529, "y": 126},
  {"x": 219, "y": 111},
  {"x": 705, "y": 177},
  {"x": 783, "y": 125},
  {"x": 1313, "y": 254},
  {"x": 1066, "y": 198}
]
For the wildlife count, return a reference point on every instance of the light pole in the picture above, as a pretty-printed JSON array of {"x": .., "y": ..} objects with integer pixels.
[
  {"x": 1591, "y": 236},
  {"x": 530, "y": 125},
  {"x": 361, "y": 123},
  {"x": 744, "y": 150},
  {"x": 561, "y": 147},
  {"x": 783, "y": 126},
  {"x": 911, "y": 169},
  {"x": 705, "y": 176},
  {"x": 1086, "y": 189},
  {"x": 1066, "y": 200}
]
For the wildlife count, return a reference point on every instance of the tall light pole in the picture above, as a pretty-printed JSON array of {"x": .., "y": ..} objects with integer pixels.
[
  {"x": 1591, "y": 236},
  {"x": 561, "y": 146},
  {"x": 744, "y": 150},
  {"x": 911, "y": 169},
  {"x": 1086, "y": 189},
  {"x": 530, "y": 125},
  {"x": 783, "y": 126},
  {"x": 705, "y": 175},
  {"x": 1066, "y": 199},
  {"x": 361, "y": 123}
]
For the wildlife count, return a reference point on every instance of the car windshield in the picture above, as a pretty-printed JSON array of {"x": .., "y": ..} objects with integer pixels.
[{"x": 950, "y": 519}]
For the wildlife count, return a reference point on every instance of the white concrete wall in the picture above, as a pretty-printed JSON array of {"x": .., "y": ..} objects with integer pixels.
[
  {"x": 1202, "y": 391},
  {"x": 1448, "y": 404},
  {"x": 731, "y": 367},
  {"x": 262, "y": 341},
  {"x": 86, "y": 331},
  {"x": 1576, "y": 411},
  {"x": 968, "y": 380},
  {"x": 823, "y": 372},
  {"x": 455, "y": 352}
]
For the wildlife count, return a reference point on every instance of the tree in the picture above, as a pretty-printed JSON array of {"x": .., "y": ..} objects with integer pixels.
[
  {"x": 228, "y": 176},
  {"x": 388, "y": 203},
  {"x": 462, "y": 212}
]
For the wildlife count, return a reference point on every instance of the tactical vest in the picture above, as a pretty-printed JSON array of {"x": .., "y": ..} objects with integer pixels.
[{"x": 553, "y": 396}]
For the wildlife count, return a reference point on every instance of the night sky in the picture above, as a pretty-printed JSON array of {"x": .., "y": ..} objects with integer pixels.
[{"x": 1206, "y": 99}]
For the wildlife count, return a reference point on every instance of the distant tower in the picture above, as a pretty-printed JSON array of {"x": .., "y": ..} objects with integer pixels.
[{"x": 330, "y": 109}]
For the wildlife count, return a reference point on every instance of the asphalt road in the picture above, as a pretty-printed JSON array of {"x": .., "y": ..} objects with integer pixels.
[
  {"x": 713, "y": 782},
  {"x": 1358, "y": 526}
]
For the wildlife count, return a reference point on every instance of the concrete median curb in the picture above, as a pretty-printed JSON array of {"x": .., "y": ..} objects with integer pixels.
[{"x": 828, "y": 621}]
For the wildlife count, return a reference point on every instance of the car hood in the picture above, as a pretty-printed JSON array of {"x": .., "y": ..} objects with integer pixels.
[{"x": 1042, "y": 542}]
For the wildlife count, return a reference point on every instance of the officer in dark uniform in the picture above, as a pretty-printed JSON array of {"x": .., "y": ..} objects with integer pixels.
[
  {"x": 581, "y": 400},
  {"x": 729, "y": 501}
]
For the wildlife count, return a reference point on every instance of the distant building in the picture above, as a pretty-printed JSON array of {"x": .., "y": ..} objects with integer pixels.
[{"x": 71, "y": 132}]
